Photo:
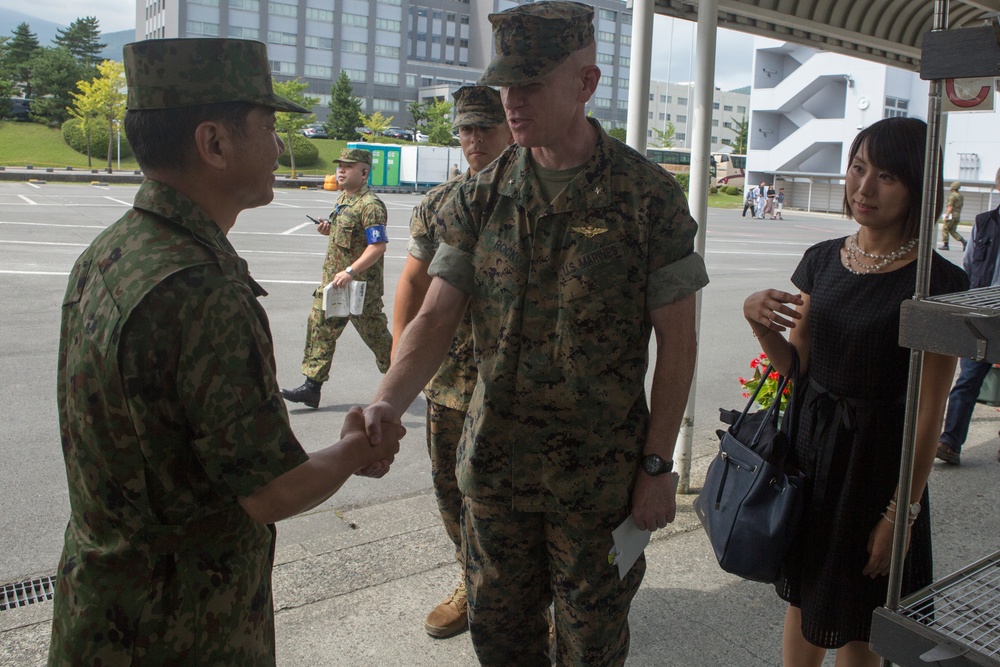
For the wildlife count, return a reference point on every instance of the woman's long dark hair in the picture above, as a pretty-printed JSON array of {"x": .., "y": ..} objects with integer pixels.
[{"x": 898, "y": 146}]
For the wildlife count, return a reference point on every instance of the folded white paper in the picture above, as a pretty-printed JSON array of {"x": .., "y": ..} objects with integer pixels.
[
  {"x": 630, "y": 542},
  {"x": 344, "y": 301}
]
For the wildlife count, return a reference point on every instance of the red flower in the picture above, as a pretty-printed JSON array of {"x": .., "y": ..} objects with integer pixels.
[
  {"x": 774, "y": 375},
  {"x": 742, "y": 381},
  {"x": 754, "y": 363}
]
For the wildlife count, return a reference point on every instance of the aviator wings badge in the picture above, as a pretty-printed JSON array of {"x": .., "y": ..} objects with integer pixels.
[{"x": 589, "y": 230}]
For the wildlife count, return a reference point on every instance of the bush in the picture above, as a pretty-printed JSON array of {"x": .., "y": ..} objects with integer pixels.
[
  {"x": 684, "y": 180},
  {"x": 72, "y": 132},
  {"x": 733, "y": 190},
  {"x": 306, "y": 152},
  {"x": 713, "y": 190}
]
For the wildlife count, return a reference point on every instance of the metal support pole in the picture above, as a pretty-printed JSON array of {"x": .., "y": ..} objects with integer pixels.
[
  {"x": 639, "y": 73},
  {"x": 701, "y": 147},
  {"x": 932, "y": 166}
]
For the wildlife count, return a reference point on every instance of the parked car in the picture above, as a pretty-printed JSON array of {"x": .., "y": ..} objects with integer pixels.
[
  {"x": 398, "y": 133},
  {"x": 421, "y": 138},
  {"x": 363, "y": 130},
  {"x": 20, "y": 108},
  {"x": 314, "y": 131}
]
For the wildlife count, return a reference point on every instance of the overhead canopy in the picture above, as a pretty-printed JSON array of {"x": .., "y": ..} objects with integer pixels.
[{"x": 885, "y": 31}]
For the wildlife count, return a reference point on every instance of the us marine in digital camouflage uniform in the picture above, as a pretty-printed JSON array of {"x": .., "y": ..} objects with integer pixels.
[
  {"x": 483, "y": 133},
  {"x": 569, "y": 251},
  {"x": 179, "y": 456},
  {"x": 357, "y": 243},
  {"x": 952, "y": 216}
]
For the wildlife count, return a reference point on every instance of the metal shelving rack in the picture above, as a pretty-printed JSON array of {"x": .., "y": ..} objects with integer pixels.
[{"x": 954, "y": 621}]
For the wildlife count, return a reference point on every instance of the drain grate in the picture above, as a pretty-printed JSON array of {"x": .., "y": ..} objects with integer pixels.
[{"x": 13, "y": 596}]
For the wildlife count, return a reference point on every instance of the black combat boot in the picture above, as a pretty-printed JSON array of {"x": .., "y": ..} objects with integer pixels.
[{"x": 308, "y": 393}]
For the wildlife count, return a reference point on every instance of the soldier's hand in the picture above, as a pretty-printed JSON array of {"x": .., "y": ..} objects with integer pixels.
[
  {"x": 323, "y": 227},
  {"x": 377, "y": 415},
  {"x": 654, "y": 500}
]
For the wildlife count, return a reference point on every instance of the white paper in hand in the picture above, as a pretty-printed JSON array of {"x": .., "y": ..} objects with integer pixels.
[
  {"x": 344, "y": 301},
  {"x": 629, "y": 543}
]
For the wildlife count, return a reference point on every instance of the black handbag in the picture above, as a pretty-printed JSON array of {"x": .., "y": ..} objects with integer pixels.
[{"x": 752, "y": 499}]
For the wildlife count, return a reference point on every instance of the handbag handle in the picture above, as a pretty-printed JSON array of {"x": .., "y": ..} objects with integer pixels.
[{"x": 772, "y": 415}]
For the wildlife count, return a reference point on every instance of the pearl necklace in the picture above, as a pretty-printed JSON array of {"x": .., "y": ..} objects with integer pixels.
[{"x": 881, "y": 261}]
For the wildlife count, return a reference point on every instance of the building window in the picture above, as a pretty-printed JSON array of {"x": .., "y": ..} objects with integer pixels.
[
  {"x": 602, "y": 102},
  {"x": 323, "y": 15},
  {"x": 603, "y": 36},
  {"x": 387, "y": 51},
  {"x": 608, "y": 15},
  {"x": 386, "y": 78},
  {"x": 283, "y": 9},
  {"x": 626, "y": 40},
  {"x": 895, "y": 107},
  {"x": 727, "y": 125},
  {"x": 239, "y": 32},
  {"x": 353, "y": 47},
  {"x": 622, "y": 83},
  {"x": 715, "y": 105},
  {"x": 727, "y": 142},
  {"x": 624, "y": 61},
  {"x": 249, "y": 5},
  {"x": 281, "y": 67},
  {"x": 314, "y": 42},
  {"x": 715, "y": 122},
  {"x": 663, "y": 116},
  {"x": 381, "y": 104},
  {"x": 741, "y": 109},
  {"x": 357, "y": 20},
  {"x": 356, "y": 75},
  {"x": 202, "y": 29},
  {"x": 682, "y": 101},
  {"x": 680, "y": 136},
  {"x": 663, "y": 99},
  {"x": 605, "y": 59},
  {"x": 651, "y": 97},
  {"x": 411, "y": 80},
  {"x": 668, "y": 116},
  {"x": 207, "y": 3},
  {"x": 317, "y": 71},
  {"x": 682, "y": 119},
  {"x": 288, "y": 38},
  {"x": 715, "y": 140},
  {"x": 728, "y": 107},
  {"x": 650, "y": 115},
  {"x": 623, "y": 104},
  {"x": 604, "y": 81},
  {"x": 388, "y": 24}
]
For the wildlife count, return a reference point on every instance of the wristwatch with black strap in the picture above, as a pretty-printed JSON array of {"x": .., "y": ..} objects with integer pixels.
[{"x": 654, "y": 465}]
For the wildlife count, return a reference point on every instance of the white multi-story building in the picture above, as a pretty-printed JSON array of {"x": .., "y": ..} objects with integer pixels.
[
  {"x": 808, "y": 105},
  {"x": 394, "y": 51},
  {"x": 674, "y": 103}
]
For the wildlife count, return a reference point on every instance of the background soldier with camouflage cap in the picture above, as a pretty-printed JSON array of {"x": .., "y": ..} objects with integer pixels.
[
  {"x": 357, "y": 244},
  {"x": 179, "y": 455},
  {"x": 569, "y": 251},
  {"x": 483, "y": 132}
]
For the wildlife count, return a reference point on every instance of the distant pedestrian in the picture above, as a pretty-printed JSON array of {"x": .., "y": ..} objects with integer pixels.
[
  {"x": 769, "y": 203},
  {"x": 779, "y": 203},
  {"x": 760, "y": 200},
  {"x": 952, "y": 216},
  {"x": 750, "y": 201},
  {"x": 455, "y": 172}
]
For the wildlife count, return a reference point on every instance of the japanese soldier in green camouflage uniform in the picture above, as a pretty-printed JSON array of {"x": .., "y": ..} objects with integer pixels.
[
  {"x": 570, "y": 249},
  {"x": 179, "y": 456},
  {"x": 357, "y": 243},
  {"x": 483, "y": 133},
  {"x": 952, "y": 216}
]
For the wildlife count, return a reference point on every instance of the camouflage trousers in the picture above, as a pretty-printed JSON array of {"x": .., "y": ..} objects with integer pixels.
[
  {"x": 520, "y": 563},
  {"x": 949, "y": 229},
  {"x": 322, "y": 335},
  {"x": 444, "y": 430}
]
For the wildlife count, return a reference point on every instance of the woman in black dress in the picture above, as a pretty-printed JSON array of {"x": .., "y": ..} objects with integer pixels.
[{"x": 844, "y": 324}]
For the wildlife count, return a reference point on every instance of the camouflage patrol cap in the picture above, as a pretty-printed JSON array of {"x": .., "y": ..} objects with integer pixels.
[
  {"x": 170, "y": 73},
  {"x": 956, "y": 185},
  {"x": 478, "y": 105},
  {"x": 354, "y": 155},
  {"x": 533, "y": 39}
]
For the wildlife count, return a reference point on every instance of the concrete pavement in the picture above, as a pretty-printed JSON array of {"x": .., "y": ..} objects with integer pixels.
[{"x": 352, "y": 587}]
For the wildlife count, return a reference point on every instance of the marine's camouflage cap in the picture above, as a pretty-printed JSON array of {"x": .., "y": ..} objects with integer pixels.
[
  {"x": 956, "y": 185},
  {"x": 532, "y": 39},
  {"x": 354, "y": 155},
  {"x": 170, "y": 73},
  {"x": 478, "y": 105}
]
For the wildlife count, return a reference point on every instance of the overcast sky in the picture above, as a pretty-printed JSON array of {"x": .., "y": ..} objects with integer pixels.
[{"x": 671, "y": 60}]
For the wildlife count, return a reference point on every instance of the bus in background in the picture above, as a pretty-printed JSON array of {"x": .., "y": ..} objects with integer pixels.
[
  {"x": 730, "y": 169},
  {"x": 675, "y": 160}
]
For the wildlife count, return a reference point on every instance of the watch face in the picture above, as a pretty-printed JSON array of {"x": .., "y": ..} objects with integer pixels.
[{"x": 654, "y": 465}]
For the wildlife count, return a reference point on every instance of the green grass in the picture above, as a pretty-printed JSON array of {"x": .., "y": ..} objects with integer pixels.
[{"x": 40, "y": 146}]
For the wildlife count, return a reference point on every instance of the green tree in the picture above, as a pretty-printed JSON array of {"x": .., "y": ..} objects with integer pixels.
[
  {"x": 740, "y": 147},
  {"x": 438, "y": 121},
  {"x": 663, "y": 138},
  {"x": 291, "y": 123},
  {"x": 17, "y": 55},
  {"x": 82, "y": 39},
  {"x": 101, "y": 100},
  {"x": 345, "y": 110},
  {"x": 618, "y": 133},
  {"x": 55, "y": 74},
  {"x": 377, "y": 123},
  {"x": 418, "y": 112}
]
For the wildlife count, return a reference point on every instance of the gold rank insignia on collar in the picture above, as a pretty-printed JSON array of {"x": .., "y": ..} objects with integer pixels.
[{"x": 589, "y": 231}]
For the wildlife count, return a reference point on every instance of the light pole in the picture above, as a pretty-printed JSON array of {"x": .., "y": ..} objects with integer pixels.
[{"x": 118, "y": 133}]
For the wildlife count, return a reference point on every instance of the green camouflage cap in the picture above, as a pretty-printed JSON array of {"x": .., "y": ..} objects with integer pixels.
[
  {"x": 354, "y": 155},
  {"x": 478, "y": 105},
  {"x": 956, "y": 185},
  {"x": 170, "y": 73},
  {"x": 533, "y": 39}
]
